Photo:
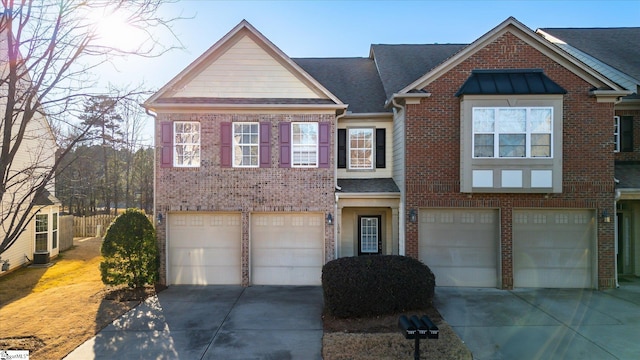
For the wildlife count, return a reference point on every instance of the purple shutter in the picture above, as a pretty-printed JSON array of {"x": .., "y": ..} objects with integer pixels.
[
  {"x": 265, "y": 144},
  {"x": 285, "y": 144},
  {"x": 166, "y": 144},
  {"x": 324, "y": 147},
  {"x": 225, "y": 144}
]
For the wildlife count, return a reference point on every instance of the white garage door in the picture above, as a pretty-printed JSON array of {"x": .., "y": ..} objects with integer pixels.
[
  {"x": 552, "y": 248},
  {"x": 204, "y": 248},
  {"x": 460, "y": 246},
  {"x": 287, "y": 249}
]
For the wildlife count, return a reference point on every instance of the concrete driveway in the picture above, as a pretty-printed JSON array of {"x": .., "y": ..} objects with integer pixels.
[
  {"x": 215, "y": 322},
  {"x": 545, "y": 323}
]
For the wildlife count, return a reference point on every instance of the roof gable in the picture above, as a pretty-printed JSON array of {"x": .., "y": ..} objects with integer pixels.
[
  {"x": 242, "y": 65},
  {"x": 516, "y": 28}
]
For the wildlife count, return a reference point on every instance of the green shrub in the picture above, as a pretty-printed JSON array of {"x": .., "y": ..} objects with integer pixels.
[
  {"x": 376, "y": 285},
  {"x": 130, "y": 251}
]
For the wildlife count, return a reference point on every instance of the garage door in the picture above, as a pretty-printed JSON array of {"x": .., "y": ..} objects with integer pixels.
[
  {"x": 204, "y": 248},
  {"x": 552, "y": 248},
  {"x": 287, "y": 249},
  {"x": 460, "y": 246}
]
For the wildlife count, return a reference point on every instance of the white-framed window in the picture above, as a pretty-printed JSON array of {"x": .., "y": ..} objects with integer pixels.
[
  {"x": 361, "y": 148},
  {"x": 246, "y": 144},
  {"x": 42, "y": 232},
  {"x": 186, "y": 135},
  {"x": 513, "y": 132},
  {"x": 369, "y": 235},
  {"x": 54, "y": 231},
  {"x": 616, "y": 133},
  {"x": 304, "y": 145}
]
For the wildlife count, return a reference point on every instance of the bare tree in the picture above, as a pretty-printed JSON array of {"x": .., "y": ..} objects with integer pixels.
[{"x": 49, "y": 50}]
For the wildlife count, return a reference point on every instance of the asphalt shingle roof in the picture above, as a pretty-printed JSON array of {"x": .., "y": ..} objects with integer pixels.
[
  {"x": 354, "y": 81},
  {"x": 400, "y": 65},
  {"x": 383, "y": 185},
  {"x": 617, "y": 47},
  {"x": 628, "y": 174}
]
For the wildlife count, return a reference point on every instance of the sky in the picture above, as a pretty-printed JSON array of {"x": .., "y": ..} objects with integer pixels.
[{"x": 348, "y": 28}]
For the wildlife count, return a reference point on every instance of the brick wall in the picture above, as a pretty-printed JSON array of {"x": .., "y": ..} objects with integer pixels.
[
  {"x": 212, "y": 188},
  {"x": 433, "y": 152}
]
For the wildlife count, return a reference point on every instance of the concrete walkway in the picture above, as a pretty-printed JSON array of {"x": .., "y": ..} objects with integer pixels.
[
  {"x": 215, "y": 322},
  {"x": 545, "y": 323}
]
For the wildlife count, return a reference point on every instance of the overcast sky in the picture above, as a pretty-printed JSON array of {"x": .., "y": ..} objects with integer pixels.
[{"x": 348, "y": 28}]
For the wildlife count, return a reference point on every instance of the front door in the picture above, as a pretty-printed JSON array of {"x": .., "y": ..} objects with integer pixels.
[{"x": 369, "y": 235}]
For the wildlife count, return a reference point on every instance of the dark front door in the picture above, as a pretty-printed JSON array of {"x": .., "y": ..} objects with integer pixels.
[{"x": 369, "y": 235}]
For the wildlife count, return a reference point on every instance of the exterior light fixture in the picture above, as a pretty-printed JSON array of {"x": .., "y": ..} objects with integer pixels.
[
  {"x": 159, "y": 218},
  {"x": 413, "y": 215},
  {"x": 329, "y": 219},
  {"x": 605, "y": 216}
]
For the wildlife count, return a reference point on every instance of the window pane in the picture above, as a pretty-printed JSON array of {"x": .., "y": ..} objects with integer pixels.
[
  {"x": 246, "y": 144},
  {"x": 483, "y": 145},
  {"x": 41, "y": 242},
  {"x": 540, "y": 145},
  {"x": 512, "y": 145},
  {"x": 483, "y": 120},
  {"x": 540, "y": 120},
  {"x": 512, "y": 120},
  {"x": 361, "y": 148},
  {"x": 304, "y": 144},
  {"x": 187, "y": 143},
  {"x": 42, "y": 223}
]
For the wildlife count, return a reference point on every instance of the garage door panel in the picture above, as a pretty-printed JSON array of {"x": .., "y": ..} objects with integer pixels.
[
  {"x": 552, "y": 248},
  {"x": 287, "y": 249},
  {"x": 460, "y": 246},
  {"x": 204, "y": 248}
]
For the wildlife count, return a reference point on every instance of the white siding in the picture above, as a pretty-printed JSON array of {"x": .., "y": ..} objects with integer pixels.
[{"x": 246, "y": 70}]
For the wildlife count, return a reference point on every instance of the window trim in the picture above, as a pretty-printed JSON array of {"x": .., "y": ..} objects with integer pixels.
[
  {"x": 235, "y": 145},
  {"x": 176, "y": 144},
  {"x": 36, "y": 232},
  {"x": 527, "y": 133},
  {"x": 616, "y": 134},
  {"x": 294, "y": 145},
  {"x": 372, "y": 149}
]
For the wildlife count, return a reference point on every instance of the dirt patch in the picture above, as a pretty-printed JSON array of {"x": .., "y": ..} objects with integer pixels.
[
  {"x": 379, "y": 338},
  {"x": 51, "y": 311}
]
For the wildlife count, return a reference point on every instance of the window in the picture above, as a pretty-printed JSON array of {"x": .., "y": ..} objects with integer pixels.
[
  {"x": 245, "y": 144},
  {"x": 361, "y": 145},
  {"x": 186, "y": 144},
  {"x": 304, "y": 144},
  {"x": 42, "y": 232},
  {"x": 623, "y": 133},
  {"x": 54, "y": 231},
  {"x": 512, "y": 132}
]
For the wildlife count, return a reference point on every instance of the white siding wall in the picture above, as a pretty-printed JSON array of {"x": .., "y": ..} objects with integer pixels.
[{"x": 246, "y": 70}]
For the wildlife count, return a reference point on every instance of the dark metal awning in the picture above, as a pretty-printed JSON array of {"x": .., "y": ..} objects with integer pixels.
[{"x": 509, "y": 82}]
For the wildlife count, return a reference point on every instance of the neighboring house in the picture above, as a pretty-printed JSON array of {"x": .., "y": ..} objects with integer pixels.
[
  {"x": 35, "y": 156},
  {"x": 491, "y": 162},
  {"x": 615, "y": 52}
]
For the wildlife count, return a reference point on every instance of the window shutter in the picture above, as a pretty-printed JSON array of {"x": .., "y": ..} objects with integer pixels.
[
  {"x": 626, "y": 133},
  {"x": 285, "y": 144},
  {"x": 381, "y": 154},
  {"x": 265, "y": 144},
  {"x": 226, "y": 141},
  {"x": 342, "y": 149},
  {"x": 166, "y": 144},
  {"x": 324, "y": 144}
]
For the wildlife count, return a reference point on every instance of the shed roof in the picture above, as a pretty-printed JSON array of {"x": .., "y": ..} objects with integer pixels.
[{"x": 509, "y": 82}]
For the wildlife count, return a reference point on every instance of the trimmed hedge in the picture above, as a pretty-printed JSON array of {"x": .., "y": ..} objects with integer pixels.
[{"x": 376, "y": 285}]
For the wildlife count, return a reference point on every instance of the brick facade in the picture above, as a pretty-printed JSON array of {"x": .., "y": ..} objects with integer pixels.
[
  {"x": 212, "y": 188},
  {"x": 433, "y": 153}
]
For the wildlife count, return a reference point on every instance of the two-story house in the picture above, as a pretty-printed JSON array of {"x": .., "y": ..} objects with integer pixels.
[{"x": 491, "y": 162}]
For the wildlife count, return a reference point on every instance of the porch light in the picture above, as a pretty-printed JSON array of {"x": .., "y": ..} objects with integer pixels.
[
  {"x": 329, "y": 219},
  {"x": 413, "y": 215},
  {"x": 159, "y": 218},
  {"x": 605, "y": 216}
]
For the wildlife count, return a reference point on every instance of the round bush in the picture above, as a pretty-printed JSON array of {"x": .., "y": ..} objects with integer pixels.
[
  {"x": 376, "y": 285},
  {"x": 130, "y": 251}
]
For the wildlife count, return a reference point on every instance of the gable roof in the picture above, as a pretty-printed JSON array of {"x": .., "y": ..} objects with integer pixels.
[
  {"x": 354, "y": 80},
  {"x": 164, "y": 96},
  {"x": 527, "y": 35},
  {"x": 615, "y": 48}
]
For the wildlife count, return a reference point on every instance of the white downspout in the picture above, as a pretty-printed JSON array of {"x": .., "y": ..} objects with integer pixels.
[
  {"x": 616, "y": 227},
  {"x": 402, "y": 224}
]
